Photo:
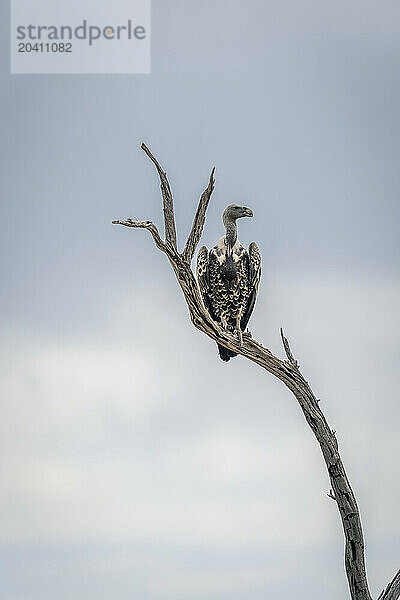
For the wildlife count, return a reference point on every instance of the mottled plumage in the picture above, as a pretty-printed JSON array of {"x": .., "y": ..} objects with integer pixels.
[{"x": 228, "y": 277}]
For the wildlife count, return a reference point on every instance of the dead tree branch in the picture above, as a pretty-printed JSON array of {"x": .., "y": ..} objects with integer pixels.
[
  {"x": 392, "y": 592},
  {"x": 168, "y": 202},
  {"x": 287, "y": 371},
  {"x": 198, "y": 222},
  {"x": 145, "y": 225}
]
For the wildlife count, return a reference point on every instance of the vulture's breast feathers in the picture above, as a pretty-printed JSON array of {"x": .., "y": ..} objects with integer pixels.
[{"x": 227, "y": 262}]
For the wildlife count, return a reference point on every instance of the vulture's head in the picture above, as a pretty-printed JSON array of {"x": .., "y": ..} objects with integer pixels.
[{"x": 233, "y": 212}]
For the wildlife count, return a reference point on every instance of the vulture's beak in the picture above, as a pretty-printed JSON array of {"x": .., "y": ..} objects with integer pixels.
[{"x": 248, "y": 212}]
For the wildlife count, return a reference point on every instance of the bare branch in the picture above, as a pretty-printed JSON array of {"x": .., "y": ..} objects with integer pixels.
[
  {"x": 331, "y": 495},
  {"x": 288, "y": 350},
  {"x": 342, "y": 491},
  {"x": 392, "y": 592},
  {"x": 168, "y": 202},
  {"x": 289, "y": 373},
  {"x": 198, "y": 222},
  {"x": 144, "y": 225}
]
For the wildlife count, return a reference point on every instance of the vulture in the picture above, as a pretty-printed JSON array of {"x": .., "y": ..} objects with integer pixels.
[{"x": 228, "y": 277}]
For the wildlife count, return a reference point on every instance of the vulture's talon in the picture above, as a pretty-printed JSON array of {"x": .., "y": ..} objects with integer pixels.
[{"x": 239, "y": 337}]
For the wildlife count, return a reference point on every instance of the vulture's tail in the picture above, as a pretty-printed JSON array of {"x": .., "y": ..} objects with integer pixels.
[{"x": 225, "y": 354}]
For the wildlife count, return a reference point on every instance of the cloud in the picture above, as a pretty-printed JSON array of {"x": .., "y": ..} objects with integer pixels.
[{"x": 126, "y": 446}]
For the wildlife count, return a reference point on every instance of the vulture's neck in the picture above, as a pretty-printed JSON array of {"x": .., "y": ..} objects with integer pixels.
[{"x": 230, "y": 235}]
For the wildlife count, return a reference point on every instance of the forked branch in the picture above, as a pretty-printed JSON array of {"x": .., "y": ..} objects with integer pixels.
[
  {"x": 168, "y": 202},
  {"x": 287, "y": 371},
  {"x": 198, "y": 221}
]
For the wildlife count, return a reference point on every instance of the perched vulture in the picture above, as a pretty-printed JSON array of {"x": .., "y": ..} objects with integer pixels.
[{"x": 228, "y": 277}]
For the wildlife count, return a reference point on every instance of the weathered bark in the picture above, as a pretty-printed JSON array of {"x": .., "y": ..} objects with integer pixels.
[
  {"x": 198, "y": 222},
  {"x": 287, "y": 371},
  {"x": 168, "y": 202},
  {"x": 392, "y": 592}
]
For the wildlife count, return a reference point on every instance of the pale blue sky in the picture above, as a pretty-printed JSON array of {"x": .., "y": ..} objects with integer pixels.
[{"x": 130, "y": 471}]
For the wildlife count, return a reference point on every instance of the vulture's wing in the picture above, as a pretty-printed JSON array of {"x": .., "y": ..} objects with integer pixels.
[
  {"x": 203, "y": 275},
  {"x": 254, "y": 280}
]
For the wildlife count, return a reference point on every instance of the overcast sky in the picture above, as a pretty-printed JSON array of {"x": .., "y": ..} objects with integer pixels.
[{"x": 131, "y": 469}]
